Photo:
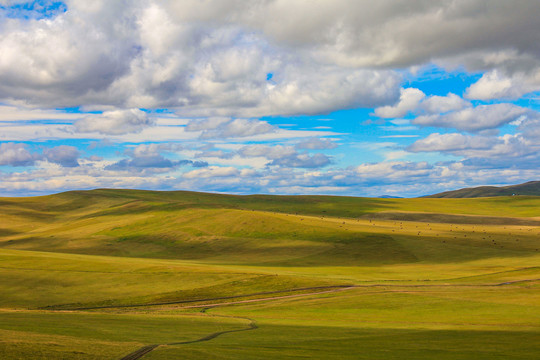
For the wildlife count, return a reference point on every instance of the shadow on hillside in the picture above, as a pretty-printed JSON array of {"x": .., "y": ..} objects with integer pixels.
[
  {"x": 8, "y": 232},
  {"x": 451, "y": 219},
  {"x": 299, "y": 205}
]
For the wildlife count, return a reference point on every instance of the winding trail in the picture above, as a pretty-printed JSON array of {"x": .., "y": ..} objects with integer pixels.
[
  {"x": 252, "y": 326},
  {"x": 137, "y": 354},
  {"x": 205, "y": 299},
  {"x": 266, "y": 299},
  {"x": 140, "y": 352}
]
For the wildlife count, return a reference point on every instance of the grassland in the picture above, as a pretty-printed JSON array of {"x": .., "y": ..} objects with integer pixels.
[{"x": 99, "y": 274}]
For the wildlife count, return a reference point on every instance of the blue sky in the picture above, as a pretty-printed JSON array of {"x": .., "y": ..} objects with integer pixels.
[{"x": 278, "y": 97}]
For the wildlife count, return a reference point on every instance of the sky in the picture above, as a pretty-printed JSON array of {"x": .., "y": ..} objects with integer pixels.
[{"x": 355, "y": 98}]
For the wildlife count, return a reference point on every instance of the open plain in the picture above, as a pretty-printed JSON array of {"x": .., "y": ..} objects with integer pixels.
[{"x": 113, "y": 274}]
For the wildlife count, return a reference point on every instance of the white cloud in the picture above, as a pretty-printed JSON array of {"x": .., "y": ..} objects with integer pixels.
[
  {"x": 115, "y": 122},
  {"x": 211, "y": 172},
  {"x": 16, "y": 155},
  {"x": 269, "y": 152},
  {"x": 15, "y": 113},
  {"x": 285, "y": 156},
  {"x": 496, "y": 85},
  {"x": 154, "y": 149},
  {"x": 209, "y": 123},
  {"x": 218, "y": 128},
  {"x": 304, "y": 160},
  {"x": 316, "y": 144},
  {"x": 452, "y": 142},
  {"x": 153, "y": 58},
  {"x": 530, "y": 128},
  {"x": 482, "y": 117},
  {"x": 244, "y": 60},
  {"x": 148, "y": 158},
  {"x": 415, "y": 101},
  {"x": 484, "y": 152},
  {"x": 64, "y": 155},
  {"x": 392, "y": 170},
  {"x": 409, "y": 100},
  {"x": 187, "y": 56},
  {"x": 443, "y": 104}
]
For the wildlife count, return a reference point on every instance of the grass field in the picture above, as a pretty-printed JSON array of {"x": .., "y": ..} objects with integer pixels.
[{"x": 99, "y": 274}]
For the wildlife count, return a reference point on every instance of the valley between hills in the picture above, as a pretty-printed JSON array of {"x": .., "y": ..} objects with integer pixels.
[{"x": 129, "y": 274}]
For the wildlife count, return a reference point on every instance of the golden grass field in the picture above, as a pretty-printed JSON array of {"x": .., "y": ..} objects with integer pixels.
[{"x": 100, "y": 274}]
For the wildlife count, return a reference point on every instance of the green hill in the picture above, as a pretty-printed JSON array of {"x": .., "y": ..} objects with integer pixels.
[
  {"x": 531, "y": 188},
  {"x": 276, "y": 230},
  {"x": 100, "y": 274}
]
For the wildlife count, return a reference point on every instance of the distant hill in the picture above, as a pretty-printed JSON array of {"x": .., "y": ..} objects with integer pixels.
[
  {"x": 254, "y": 229},
  {"x": 531, "y": 188}
]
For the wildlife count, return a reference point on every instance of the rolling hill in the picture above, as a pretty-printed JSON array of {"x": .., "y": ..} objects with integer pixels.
[
  {"x": 531, "y": 188},
  {"x": 277, "y": 230},
  {"x": 116, "y": 273}
]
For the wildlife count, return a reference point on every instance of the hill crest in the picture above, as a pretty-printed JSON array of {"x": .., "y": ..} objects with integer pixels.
[{"x": 531, "y": 188}]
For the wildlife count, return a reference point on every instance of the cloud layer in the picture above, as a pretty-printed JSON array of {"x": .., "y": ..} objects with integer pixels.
[{"x": 187, "y": 56}]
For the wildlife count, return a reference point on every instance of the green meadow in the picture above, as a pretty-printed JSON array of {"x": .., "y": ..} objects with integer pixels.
[{"x": 100, "y": 274}]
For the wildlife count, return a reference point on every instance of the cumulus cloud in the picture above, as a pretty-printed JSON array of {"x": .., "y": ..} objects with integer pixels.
[
  {"x": 415, "y": 101},
  {"x": 389, "y": 34},
  {"x": 236, "y": 61},
  {"x": 154, "y": 163},
  {"x": 148, "y": 55},
  {"x": 209, "y": 123},
  {"x": 484, "y": 152},
  {"x": 270, "y": 152},
  {"x": 496, "y": 85},
  {"x": 443, "y": 104},
  {"x": 64, "y": 155},
  {"x": 220, "y": 154},
  {"x": 451, "y": 143},
  {"x": 115, "y": 122},
  {"x": 482, "y": 117},
  {"x": 16, "y": 154},
  {"x": 392, "y": 170},
  {"x": 88, "y": 56},
  {"x": 219, "y": 128},
  {"x": 302, "y": 161},
  {"x": 409, "y": 100},
  {"x": 316, "y": 144},
  {"x": 17, "y": 113},
  {"x": 185, "y": 55},
  {"x": 153, "y": 149},
  {"x": 149, "y": 157},
  {"x": 211, "y": 172},
  {"x": 143, "y": 162},
  {"x": 285, "y": 156}
]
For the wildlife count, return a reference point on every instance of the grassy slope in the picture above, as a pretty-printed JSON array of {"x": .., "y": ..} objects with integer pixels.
[
  {"x": 55, "y": 251},
  {"x": 531, "y": 188},
  {"x": 378, "y": 323},
  {"x": 43, "y": 335},
  {"x": 307, "y": 230}
]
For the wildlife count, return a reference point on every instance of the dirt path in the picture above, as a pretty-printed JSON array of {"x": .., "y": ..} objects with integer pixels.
[
  {"x": 137, "y": 354},
  {"x": 203, "y": 299},
  {"x": 265, "y": 299},
  {"x": 140, "y": 352},
  {"x": 252, "y": 324}
]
